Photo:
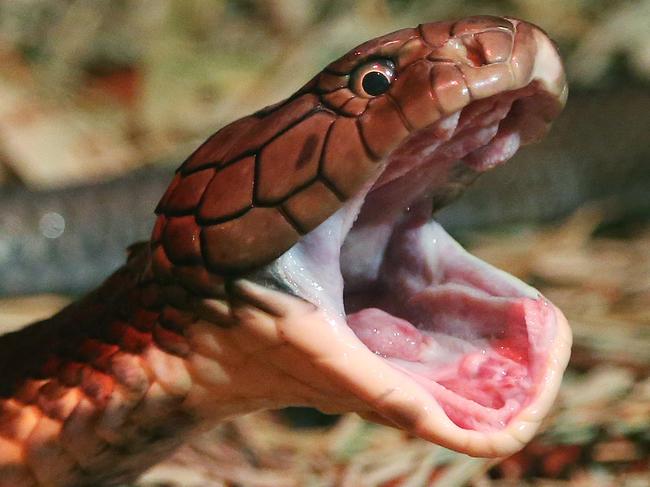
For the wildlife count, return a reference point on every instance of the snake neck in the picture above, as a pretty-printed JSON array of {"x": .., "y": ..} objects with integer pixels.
[{"x": 119, "y": 379}]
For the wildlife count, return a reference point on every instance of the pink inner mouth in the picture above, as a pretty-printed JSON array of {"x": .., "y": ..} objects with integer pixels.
[
  {"x": 471, "y": 350},
  {"x": 472, "y": 336}
]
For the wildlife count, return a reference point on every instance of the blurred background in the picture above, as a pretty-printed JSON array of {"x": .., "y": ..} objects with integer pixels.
[{"x": 100, "y": 100}]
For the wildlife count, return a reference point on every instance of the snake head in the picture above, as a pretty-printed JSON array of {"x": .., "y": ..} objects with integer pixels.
[{"x": 310, "y": 222}]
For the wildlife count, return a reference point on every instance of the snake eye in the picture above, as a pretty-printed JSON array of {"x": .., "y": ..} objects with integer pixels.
[{"x": 373, "y": 78}]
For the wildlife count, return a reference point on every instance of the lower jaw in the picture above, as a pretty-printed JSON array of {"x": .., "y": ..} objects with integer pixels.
[
  {"x": 383, "y": 391},
  {"x": 386, "y": 394}
]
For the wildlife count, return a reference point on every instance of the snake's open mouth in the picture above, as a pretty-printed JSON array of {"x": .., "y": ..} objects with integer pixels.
[
  {"x": 473, "y": 336},
  {"x": 395, "y": 318},
  {"x": 443, "y": 344}
]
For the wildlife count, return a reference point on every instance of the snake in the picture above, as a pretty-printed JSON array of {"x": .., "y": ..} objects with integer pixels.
[{"x": 294, "y": 260}]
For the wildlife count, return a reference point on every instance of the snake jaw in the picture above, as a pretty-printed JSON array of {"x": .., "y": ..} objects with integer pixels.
[
  {"x": 315, "y": 198},
  {"x": 359, "y": 380},
  {"x": 461, "y": 354},
  {"x": 426, "y": 336},
  {"x": 414, "y": 379},
  {"x": 471, "y": 359}
]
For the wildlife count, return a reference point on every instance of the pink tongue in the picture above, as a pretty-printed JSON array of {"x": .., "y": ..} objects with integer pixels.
[{"x": 386, "y": 334}]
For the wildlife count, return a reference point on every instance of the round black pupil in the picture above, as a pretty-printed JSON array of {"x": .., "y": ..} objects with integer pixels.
[{"x": 375, "y": 83}]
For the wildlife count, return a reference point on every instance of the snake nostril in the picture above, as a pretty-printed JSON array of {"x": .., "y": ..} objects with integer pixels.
[
  {"x": 489, "y": 47},
  {"x": 475, "y": 54}
]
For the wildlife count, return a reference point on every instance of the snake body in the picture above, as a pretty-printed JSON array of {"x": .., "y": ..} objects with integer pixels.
[{"x": 237, "y": 302}]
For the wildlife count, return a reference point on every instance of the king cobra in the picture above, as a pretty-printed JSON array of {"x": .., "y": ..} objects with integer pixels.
[{"x": 294, "y": 261}]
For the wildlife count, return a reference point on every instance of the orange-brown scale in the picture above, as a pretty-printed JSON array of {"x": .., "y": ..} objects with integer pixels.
[{"x": 72, "y": 407}]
